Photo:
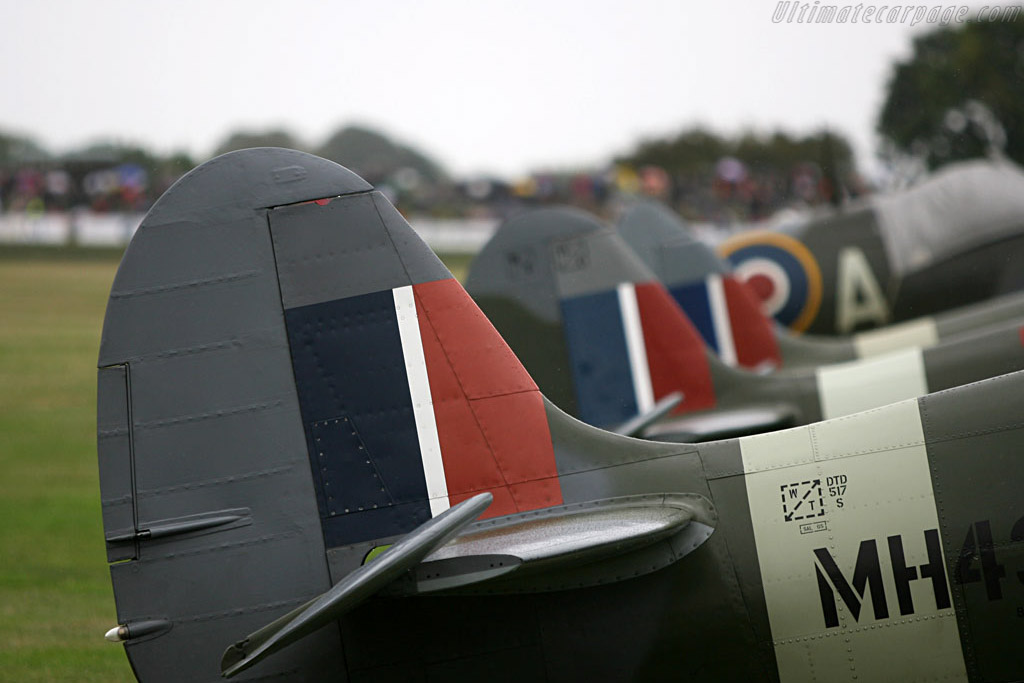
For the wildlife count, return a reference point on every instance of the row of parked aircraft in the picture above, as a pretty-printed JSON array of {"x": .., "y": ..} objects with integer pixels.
[
  {"x": 322, "y": 459},
  {"x": 951, "y": 240}
]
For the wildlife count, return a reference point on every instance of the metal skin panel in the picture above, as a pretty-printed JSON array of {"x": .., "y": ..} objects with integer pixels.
[
  {"x": 229, "y": 305},
  {"x": 680, "y": 258},
  {"x": 310, "y": 253},
  {"x": 420, "y": 263},
  {"x": 363, "y": 427},
  {"x": 821, "y": 515},
  {"x": 479, "y": 357},
  {"x": 577, "y": 245},
  {"x": 539, "y": 344},
  {"x": 240, "y": 416},
  {"x": 412, "y": 330},
  {"x": 723, "y": 465},
  {"x": 730, "y": 320},
  {"x": 219, "y": 591},
  {"x": 471, "y": 367},
  {"x": 195, "y": 314},
  {"x": 360, "y": 429},
  {"x": 974, "y": 435}
]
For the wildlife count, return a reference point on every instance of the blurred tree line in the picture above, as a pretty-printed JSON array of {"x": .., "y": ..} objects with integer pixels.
[{"x": 959, "y": 95}]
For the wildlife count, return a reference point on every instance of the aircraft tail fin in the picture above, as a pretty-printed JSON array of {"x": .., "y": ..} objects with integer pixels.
[
  {"x": 290, "y": 381},
  {"x": 559, "y": 278},
  {"x": 286, "y": 369},
  {"x": 723, "y": 310}
]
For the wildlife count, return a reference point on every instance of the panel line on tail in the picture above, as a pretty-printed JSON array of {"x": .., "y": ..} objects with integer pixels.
[
  {"x": 422, "y": 402},
  {"x": 635, "y": 347}
]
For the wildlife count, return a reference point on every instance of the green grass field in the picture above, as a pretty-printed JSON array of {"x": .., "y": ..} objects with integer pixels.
[{"x": 55, "y": 596}]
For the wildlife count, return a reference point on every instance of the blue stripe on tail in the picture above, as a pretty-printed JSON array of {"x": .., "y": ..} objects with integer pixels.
[
  {"x": 599, "y": 358},
  {"x": 693, "y": 298},
  {"x": 357, "y": 414}
]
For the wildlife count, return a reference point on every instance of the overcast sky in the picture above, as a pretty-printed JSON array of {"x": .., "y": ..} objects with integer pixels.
[{"x": 482, "y": 86}]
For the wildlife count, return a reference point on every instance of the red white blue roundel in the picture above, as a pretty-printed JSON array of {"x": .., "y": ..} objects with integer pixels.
[{"x": 782, "y": 274}]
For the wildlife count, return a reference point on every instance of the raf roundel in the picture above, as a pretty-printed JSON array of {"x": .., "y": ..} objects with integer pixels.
[{"x": 781, "y": 272}]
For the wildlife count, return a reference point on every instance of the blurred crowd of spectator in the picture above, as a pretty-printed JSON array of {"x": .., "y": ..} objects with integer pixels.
[
  {"x": 726, "y": 191},
  {"x": 57, "y": 186},
  {"x": 730, "y": 192}
]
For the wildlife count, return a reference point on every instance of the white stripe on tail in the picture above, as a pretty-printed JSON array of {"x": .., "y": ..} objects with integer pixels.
[
  {"x": 422, "y": 403},
  {"x": 721, "y": 321},
  {"x": 635, "y": 347}
]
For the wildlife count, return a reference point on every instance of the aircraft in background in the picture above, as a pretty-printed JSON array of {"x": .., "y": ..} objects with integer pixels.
[
  {"x": 605, "y": 341},
  {"x": 301, "y": 413},
  {"x": 729, "y": 317},
  {"x": 954, "y": 239}
]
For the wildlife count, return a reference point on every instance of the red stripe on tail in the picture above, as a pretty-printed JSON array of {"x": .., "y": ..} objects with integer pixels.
[
  {"x": 491, "y": 422},
  {"x": 752, "y": 332},
  {"x": 676, "y": 354}
]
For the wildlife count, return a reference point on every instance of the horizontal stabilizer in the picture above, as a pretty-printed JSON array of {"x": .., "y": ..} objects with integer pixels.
[
  {"x": 724, "y": 424},
  {"x": 566, "y": 546},
  {"x": 354, "y": 588},
  {"x": 635, "y": 425}
]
